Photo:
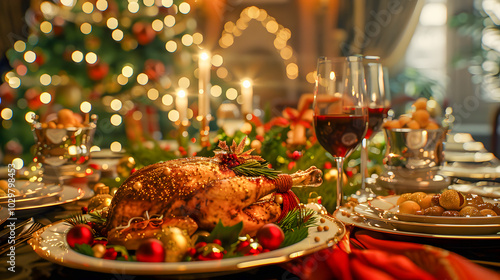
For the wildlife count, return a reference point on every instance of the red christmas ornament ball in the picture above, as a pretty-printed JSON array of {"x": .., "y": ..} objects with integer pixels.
[
  {"x": 151, "y": 250},
  {"x": 143, "y": 32},
  {"x": 80, "y": 234},
  {"x": 97, "y": 71},
  {"x": 270, "y": 236}
]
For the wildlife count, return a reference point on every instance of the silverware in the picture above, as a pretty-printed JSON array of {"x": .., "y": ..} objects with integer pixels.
[
  {"x": 21, "y": 238},
  {"x": 5, "y": 232}
]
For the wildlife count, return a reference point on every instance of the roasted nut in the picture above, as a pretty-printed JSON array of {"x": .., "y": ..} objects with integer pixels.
[
  {"x": 488, "y": 212},
  {"x": 469, "y": 211},
  {"x": 451, "y": 213},
  {"x": 409, "y": 207},
  {"x": 452, "y": 200},
  {"x": 473, "y": 199},
  {"x": 403, "y": 197},
  {"x": 434, "y": 211}
]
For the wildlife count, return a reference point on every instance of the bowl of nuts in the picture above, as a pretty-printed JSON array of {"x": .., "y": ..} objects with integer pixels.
[
  {"x": 64, "y": 140},
  {"x": 414, "y": 152}
]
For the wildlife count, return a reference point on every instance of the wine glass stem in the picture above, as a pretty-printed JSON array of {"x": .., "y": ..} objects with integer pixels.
[
  {"x": 364, "y": 162},
  {"x": 340, "y": 172}
]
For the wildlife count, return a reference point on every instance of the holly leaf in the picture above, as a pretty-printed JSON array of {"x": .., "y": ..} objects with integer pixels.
[
  {"x": 295, "y": 236},
  {"x": 227, "y": 235},
  {"x": 84, "y": 249}
]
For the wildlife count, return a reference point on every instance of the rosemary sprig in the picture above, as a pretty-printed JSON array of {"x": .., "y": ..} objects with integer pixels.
[
  {"x": 255, "y": 168},
  {"x": 96, "y": 216},
  {"x": 76, "y": 219},
  {"x": 297, "y": 219}
]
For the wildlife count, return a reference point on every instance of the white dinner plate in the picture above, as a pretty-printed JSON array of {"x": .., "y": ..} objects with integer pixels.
[
  {"x": 387, "y": 206},
  {"x": 347, "y": 216},
  {"x": 468, "y": 156},
  {"x": 471, "y": 171},
  {"x": 464, "y": 147},
  {"x": 50, "y": 243}
]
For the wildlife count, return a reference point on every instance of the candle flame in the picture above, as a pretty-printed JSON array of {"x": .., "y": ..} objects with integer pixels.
[
  {"x": 247, "y": 83},
  {"x": 181, "y": 93},
  {"x": 204, "y": 56}
]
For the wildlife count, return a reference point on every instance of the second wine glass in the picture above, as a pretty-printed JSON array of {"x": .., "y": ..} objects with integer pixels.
[
  {"x": 378, "y": 106},
  {"x": 340, "y": 111}
]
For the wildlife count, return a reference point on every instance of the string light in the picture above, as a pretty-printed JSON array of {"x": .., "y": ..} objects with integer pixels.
[
  {"x": 127, "y": 71},
  {"x": 169, "y": 21},
  {"x": 20, "y": 46},
  {"x": 184, "y": 8},
  {"x": 30, "y": 56},
  {"x": 216, "y": 91},
  {"x": 46, "y": 27},
  {"x": 45, "y": 97},
  {"x": 91, "y": 58},
  {"x": 171, "y": 46},
  {"x": 115, "y": 104},
  {"x": 153, "y": 94},
  {"x": 116, "y": 119},
  {"x": 112, "y": 23},
  {"x": 6, "y": 114},
  {"x": 87, "y": 7},
  {"x": 77, "y": 56},
  {"x": 85, "y": 107},
  {"x": 101, "y": 5},
  {"x": 234, "y": 29},
  {"x": 117, "y": 35},
  {"x": 231, "y": 93},
  {"x": 45, "y": 79},
  {"x": 167, "y": 100}
]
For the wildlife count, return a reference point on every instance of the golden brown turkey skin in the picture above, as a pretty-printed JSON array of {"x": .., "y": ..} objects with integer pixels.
[{"x": 204, "y": 190}]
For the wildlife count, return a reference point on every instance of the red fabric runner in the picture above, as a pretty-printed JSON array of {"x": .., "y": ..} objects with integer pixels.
[{"x": 384, "y": 259}]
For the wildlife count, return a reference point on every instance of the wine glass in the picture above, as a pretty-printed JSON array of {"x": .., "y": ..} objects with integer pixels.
[
  {"x": 378, "y": 106},
  {"x": 340, "y": 111}
]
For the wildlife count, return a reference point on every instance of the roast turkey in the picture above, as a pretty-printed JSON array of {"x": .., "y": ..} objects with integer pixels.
[{"x": 206, "y": 190}]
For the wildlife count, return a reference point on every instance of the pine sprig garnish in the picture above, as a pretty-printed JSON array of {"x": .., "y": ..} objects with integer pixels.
[
  {"x": 296, "y": 225},
  {"x": 243, "y": 162},
  {"x": 96, "y": 216},
  {"x": 76, "y": 219},
  {"x": 256, "y": 168},
  {"x": 298, "y": 218}
]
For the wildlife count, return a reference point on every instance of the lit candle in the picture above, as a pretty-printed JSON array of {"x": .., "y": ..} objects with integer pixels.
[
  {"x": 203, "y": 84},
  {"x": 181, "y": 104},
  {"x": 247, "y": 95}
]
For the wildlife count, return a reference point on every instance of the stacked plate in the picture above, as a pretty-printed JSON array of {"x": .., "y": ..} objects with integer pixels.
[
  {"x": 382, "y": 214},
  {"x": 37, "y": 196}
]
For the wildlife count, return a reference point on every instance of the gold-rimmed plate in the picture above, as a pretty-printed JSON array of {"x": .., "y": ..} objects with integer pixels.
[
  {"x": 50, "y": 243},
  {"x": 67, "y": 195},
  {"x": 30, "y": 191},
  {"x": 387, "y": 208},
  {"x": 348, "y": 217}
]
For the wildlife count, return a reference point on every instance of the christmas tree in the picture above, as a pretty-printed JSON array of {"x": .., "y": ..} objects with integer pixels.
[{"x": 124, "y": 60}]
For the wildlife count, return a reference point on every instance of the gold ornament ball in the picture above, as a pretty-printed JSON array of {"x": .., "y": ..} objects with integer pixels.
[
  {"x": 99, "y": 250},
  {"x": 176, "y": 243},
  {"x": 102, "y": 198},
  {"x": 125, "y": 166}
]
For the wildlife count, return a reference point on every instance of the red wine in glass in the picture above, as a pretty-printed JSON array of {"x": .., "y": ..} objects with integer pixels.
[
  {"x": 376, "y": 118},
  {"x": 339, "y": 134}
]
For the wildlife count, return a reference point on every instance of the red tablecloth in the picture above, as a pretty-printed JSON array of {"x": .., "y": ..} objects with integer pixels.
[{"x": 385, "y": 259}]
